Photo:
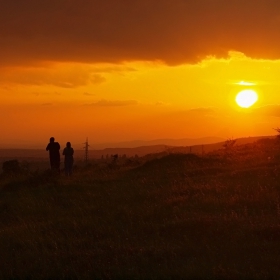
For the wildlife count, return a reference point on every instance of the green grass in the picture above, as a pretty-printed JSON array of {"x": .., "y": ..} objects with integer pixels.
[{"x": 177, "y": 217}]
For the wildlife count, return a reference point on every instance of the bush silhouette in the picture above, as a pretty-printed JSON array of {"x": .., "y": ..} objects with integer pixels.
[{"x": 11, "y": 166}]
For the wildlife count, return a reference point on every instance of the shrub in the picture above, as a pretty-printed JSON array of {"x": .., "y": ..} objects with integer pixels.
[{"x": 11, "y": 166}]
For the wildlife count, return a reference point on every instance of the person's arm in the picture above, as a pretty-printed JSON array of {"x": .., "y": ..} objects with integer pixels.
[{"x": 47, "y": 148}]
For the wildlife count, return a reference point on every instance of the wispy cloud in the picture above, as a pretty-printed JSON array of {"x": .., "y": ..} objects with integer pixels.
[
  {"x": 160, "y": 103},
  {"x": 97, "y": 79},
  {"x": 113, "y": 103},
  {"x": 203, "y": 111},
  {"x": 272, "y": 110},
  {"x": 89, "y": 94},
  {"x": 61, "y": 75}
]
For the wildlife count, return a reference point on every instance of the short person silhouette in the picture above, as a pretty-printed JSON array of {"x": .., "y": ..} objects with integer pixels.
[
  {"x": 68, "y": 153},
  {"x": 53, "y": 148}
]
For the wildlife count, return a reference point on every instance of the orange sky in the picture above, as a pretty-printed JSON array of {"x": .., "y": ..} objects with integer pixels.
[{"x": 125, "y": 70}]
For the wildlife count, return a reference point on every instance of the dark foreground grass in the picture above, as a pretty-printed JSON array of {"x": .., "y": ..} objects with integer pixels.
[{"x": 179, "y": 217}]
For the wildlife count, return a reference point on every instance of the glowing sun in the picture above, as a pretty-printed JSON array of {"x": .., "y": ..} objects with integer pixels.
[{"x": 246, "y": 98}]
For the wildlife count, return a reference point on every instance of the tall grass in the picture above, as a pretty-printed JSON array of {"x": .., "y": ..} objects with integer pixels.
[{"x": 177, "y": 217}]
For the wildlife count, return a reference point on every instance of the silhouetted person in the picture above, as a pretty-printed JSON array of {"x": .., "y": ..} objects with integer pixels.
[
  {"x": 53, "y": 148},
  {"x": 68, "y": 153}
]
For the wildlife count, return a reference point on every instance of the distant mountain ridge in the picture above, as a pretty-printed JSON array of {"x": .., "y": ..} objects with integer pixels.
[
  {"x": 95, "y": 153},
  {"x": 123, "y": 144},
  {"x": 166, "y": 142}
]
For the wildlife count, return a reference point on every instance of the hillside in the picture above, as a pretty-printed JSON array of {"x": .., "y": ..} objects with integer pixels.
[{"x": 177, "y": 216}]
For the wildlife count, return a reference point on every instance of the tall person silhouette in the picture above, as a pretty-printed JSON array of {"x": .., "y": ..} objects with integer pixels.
[{"x": 53, "y": 148}]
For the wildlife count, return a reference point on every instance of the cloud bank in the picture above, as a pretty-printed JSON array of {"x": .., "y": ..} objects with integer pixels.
[{"x": 173, "y": 31}]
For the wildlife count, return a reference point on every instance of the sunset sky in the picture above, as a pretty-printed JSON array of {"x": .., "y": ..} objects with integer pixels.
[{"x": 121, "y": 70}]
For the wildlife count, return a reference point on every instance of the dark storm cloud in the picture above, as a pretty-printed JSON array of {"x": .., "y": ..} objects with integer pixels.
[{"x": 174, "y": 31}]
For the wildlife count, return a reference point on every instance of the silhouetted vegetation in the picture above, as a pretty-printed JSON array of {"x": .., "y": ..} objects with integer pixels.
[
  {"x": 11, "y": 166},
  {"x": 170, "y": 216}
]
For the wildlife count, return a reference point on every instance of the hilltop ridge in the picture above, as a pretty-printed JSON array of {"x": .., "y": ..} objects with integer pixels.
[{"x": 94, "y": 152}]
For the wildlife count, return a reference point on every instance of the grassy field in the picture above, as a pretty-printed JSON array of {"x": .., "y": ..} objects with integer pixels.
[{"x": 179, "y": 216}]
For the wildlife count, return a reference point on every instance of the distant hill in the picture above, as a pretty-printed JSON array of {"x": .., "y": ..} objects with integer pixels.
[
  {"x": 36, "y": 154},
  {"x": 165, "y": 142},
  {"x": 199, "y": 147}
]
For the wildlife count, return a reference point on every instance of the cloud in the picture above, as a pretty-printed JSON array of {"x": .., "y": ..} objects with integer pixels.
[
  {"x": 268, "y": 110},
  {"x": 89, "y": 94},
  {"x": 97, "y": 79},
  {"x": 160, "y": 103},
  {"x": 114, "y": 103},
  {"x": 63, "y": 75},
  {"x": 176, "y": 31},
  {"x": 202, "y": 111},
  {"x": 196, "y": 114}
]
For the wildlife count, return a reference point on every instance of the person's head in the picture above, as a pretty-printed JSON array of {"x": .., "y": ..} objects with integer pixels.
[
  {"x": 52, "y": 139},
  {"x": 68, "y": 145}
]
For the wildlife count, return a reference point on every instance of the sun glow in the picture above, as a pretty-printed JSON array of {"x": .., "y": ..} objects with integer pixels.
[
  {"x": 243, "y": 83},
  {"x": 246, "y": 98}
]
